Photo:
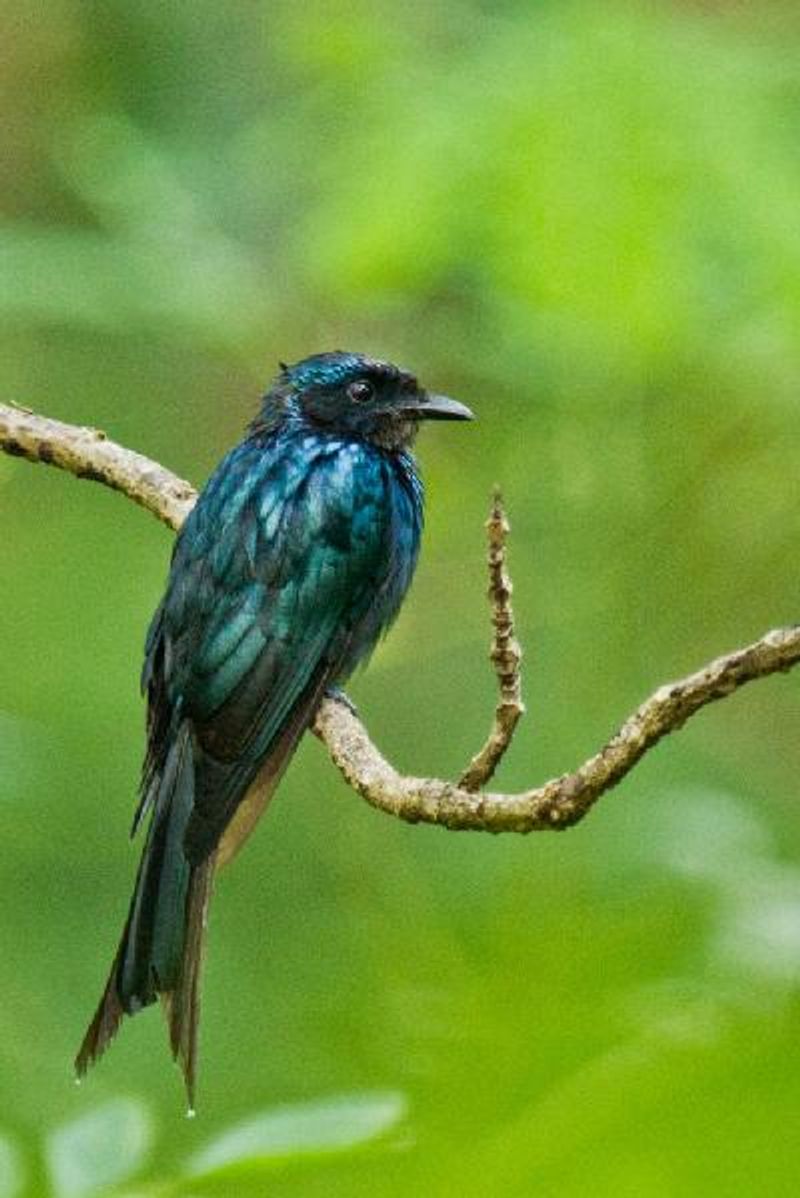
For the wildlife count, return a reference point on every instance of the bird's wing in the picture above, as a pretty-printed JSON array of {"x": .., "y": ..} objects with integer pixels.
[{"x": 264, "y": 594}]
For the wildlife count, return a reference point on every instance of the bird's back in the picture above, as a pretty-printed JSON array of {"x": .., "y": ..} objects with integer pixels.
[{"x": 294, "y": 561}]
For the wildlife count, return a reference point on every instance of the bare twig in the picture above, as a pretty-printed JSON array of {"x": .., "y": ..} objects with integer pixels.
[
  {"x": 557, "y": 804},
  {"x": 505, "y": 655},
  {"x": 87, "y": 453}
]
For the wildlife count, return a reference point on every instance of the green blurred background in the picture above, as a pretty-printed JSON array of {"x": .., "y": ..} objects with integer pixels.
[{"x": 581, "y": 219}]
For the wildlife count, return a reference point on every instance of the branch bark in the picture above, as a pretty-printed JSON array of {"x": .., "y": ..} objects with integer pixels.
[
  {"x": 505, "y": 655},
  {"x": 87, "y": 453},
  {"x": 558, "y": 803}
]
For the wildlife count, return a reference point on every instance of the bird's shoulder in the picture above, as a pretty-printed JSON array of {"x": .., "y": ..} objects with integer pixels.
[
  {"x": 270, "y": 490},
  {"x": 285, "y": 537}
]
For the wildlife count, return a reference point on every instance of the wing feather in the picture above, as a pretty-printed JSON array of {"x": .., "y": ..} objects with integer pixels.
[{"x": 269, "y": 583}]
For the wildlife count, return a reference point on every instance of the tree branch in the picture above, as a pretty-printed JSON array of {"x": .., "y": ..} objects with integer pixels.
[
  {"x": 505, "y": 655},
  {"x": 559, "y": 803},
  {"x": 562, "y": 801},
  {"x": 87, "y": 453}
]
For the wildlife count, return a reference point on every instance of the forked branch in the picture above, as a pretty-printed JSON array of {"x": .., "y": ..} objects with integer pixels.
[{"x": 87, "y": 453}]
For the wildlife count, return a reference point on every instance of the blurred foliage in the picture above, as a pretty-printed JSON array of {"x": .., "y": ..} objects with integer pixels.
[{"x": 581, "y": 219}]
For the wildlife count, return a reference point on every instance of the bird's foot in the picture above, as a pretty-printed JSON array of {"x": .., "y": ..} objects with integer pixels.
[{"x": 338, "y": 696}]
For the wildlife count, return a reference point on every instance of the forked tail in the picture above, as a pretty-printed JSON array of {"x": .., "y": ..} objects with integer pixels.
[{"x": 161, "y": 949}]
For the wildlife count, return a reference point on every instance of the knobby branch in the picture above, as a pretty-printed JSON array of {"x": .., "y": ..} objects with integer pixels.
[{"x": 463, "y": 805}]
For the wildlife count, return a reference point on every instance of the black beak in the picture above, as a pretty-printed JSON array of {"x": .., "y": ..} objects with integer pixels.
[{"x": 438, "y": 407}]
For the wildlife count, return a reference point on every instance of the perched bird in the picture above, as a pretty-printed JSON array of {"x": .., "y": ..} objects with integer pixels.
[{"x": 294, "y": 560}]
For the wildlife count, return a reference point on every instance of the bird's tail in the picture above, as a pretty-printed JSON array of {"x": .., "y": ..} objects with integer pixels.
[{"x": 161, "y": 949}]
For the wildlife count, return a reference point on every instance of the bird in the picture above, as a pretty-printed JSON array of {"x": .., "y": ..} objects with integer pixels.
[{"x": 292, "y": 564}]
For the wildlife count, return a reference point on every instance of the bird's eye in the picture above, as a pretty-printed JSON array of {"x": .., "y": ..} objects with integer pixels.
[{"x": 360, "y": 391}]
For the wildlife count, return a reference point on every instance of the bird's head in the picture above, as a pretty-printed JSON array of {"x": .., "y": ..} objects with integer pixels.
[{"x": 357, "y": 396}]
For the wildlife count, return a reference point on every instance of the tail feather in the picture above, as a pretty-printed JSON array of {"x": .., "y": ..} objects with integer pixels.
[
  {"x": 182, "y": 1005},
  {"x": 105, "y": 1022},
  {"x": 161, "y": 948}
]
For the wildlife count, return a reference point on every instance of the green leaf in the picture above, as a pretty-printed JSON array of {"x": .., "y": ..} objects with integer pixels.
[
  {"x": 98, "y": 1150},
  {"x": 11, "y": 1177},
  {"x": 337, "y": 1124}
]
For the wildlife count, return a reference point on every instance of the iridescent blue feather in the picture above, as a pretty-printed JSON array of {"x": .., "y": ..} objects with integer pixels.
[{"x": 292, "y": 564}]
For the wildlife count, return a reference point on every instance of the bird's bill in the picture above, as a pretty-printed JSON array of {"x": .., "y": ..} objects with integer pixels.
[{"x": 438, "y": 407}]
